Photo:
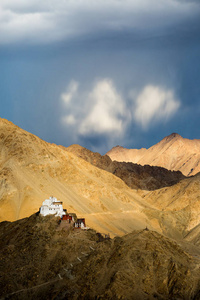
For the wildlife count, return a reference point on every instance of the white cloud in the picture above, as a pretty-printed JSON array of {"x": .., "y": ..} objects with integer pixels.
[
  {"x": 35, "y": 21},
  {"x": 154, "y": 104},
  {"x": 102, "y": 112},
  {"x": 70, "y": 92},
  {"x": 98, "y": 111},
  {"x": 107, "y": 110}
]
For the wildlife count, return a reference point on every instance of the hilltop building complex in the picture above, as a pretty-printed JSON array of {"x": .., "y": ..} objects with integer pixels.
[{"x": 52, "y": 206}]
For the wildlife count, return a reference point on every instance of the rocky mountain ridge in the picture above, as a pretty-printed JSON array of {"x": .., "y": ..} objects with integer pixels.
[
  {"x": 134, "y": 175},
  {"x": 155, "y": 250},
  {"x": 32, "y": 170},
  {"x": 173, "y": 153}
]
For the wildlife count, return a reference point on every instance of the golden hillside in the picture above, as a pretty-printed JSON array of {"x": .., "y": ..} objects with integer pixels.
[
  {"x": 32, "y": 170},
  {"x": 182, "y": 199},
  {"x": 173, "y": 153}
]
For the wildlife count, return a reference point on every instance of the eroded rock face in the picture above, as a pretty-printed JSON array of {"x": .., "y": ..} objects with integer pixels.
[
  {"x": 134, "y": 175},
  {"x": 38, "y": 261}
]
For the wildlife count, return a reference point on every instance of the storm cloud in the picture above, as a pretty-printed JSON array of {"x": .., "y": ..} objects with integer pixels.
[
  {"x": 101, "y": 73},
  {"x": 39, "y": 22}
]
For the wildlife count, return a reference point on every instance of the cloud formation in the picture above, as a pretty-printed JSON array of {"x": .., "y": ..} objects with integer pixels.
[
  {"x": 102, "y": 111},
  {"x": 36, "y": 21},
  {"x": 107, "y": 110},
  {"x": 154, "y": 104}
]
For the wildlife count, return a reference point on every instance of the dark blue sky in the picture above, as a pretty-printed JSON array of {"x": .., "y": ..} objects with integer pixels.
[{"x": 101, "y": 74}]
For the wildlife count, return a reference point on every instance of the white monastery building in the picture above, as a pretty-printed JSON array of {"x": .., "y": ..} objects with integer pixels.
[{"x": 52, "y": 206}]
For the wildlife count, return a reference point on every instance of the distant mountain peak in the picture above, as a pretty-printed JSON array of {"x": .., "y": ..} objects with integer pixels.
[
  {"x": 172, "y": 136},
  {"x": 173, "y": 152},
  {"x": 118, "y": 146}
]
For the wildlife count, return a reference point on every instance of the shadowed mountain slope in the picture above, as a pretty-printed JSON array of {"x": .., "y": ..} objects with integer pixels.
[
  {"x": 173, "y": 153},
  {"x": 134, "y": 175},
  {"x": 38, "y": 261}
]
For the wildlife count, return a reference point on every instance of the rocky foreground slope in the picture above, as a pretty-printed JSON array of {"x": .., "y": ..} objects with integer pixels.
[
  {"x": 173, "y": 153},
  {"x": 39, "y": 261},
  {"x": 134, "y": 175}
]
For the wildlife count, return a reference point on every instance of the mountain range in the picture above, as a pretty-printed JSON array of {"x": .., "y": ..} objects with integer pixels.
[
  {"x": 134, "y": 175},
  {"x": 113, "y": 197},
  {"x": 32, "y": 170},
  {"x": 173, "y": 153},
  {"x": 150, "y": 212}
]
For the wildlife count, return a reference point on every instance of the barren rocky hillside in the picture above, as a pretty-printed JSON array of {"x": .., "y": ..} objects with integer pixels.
[
  {"x": 134, "y": 175},
  {"x": 32, "y": 170},
  {"x": 182, "y": 199},
  {"x": 38, "y": 261},
  {"x": 155, "y": 252},
  {"x": 173, "y": 153}
]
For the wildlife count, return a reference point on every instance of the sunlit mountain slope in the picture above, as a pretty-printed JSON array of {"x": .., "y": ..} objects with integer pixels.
[
  {"x": 173, "y": 153},
  {"x": 31, "y": 170}
]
